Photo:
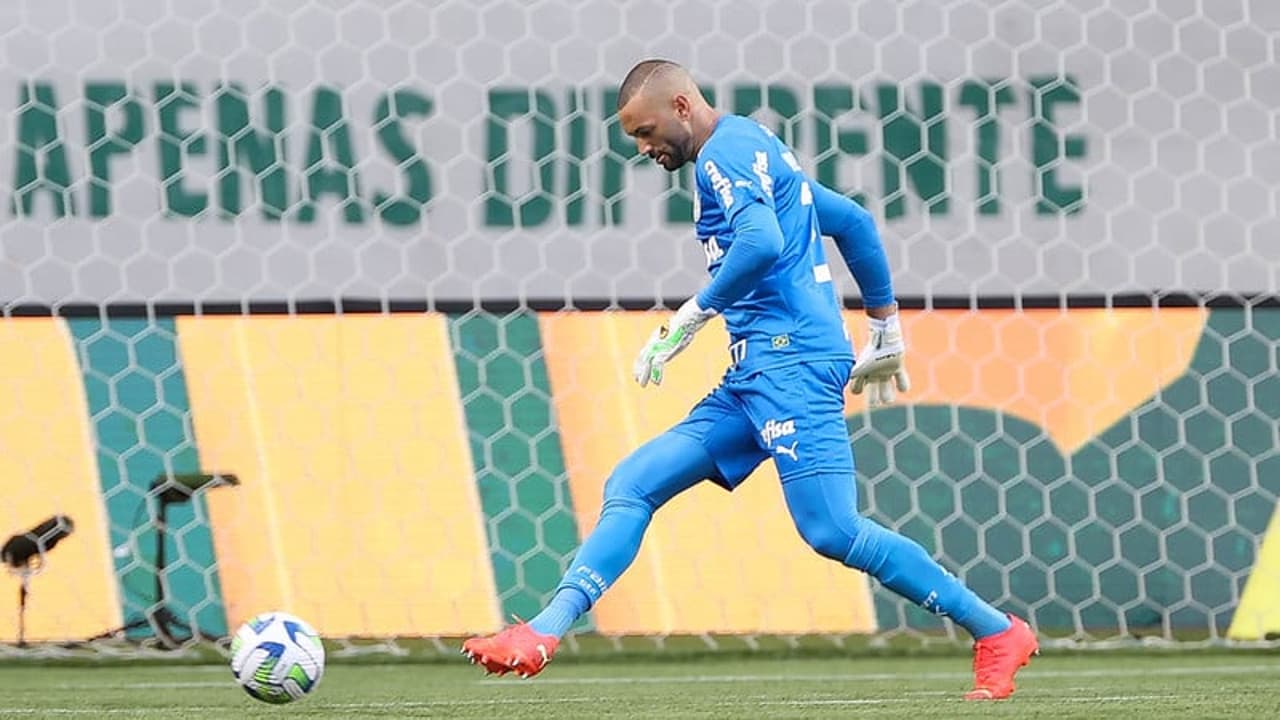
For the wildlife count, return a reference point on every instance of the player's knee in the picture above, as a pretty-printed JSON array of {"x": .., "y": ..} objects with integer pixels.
[
  {"x": 827, "y": 537},
  {"x": 624, "y": 490},
  {"x": 655, "y": 472}
]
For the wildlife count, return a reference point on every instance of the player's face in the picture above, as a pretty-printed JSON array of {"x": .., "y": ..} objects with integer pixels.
[{"x": 661, "y": 128}]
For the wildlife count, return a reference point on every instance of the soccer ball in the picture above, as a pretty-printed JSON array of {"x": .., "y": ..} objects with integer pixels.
[{"x": 277, "y": 658}]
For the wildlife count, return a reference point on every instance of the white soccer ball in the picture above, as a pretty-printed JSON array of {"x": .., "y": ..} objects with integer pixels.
[{"x": 277, "y": 658}]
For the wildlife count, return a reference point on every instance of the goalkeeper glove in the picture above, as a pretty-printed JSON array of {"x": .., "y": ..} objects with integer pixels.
[
  {"x": 882, "y": 363},
  {"x": 669, "y": 340}
]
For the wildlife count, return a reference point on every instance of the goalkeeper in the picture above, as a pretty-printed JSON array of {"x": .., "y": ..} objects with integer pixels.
[{"x": 758, "y": 218}]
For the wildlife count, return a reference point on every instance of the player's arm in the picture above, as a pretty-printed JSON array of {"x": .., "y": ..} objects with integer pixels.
[
  {"x": 881, "y": 365},
  {"x": 858, "y": 240},
  {"x": 757, "y": 244}
]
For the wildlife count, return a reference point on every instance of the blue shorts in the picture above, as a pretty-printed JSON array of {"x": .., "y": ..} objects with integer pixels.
[{"x": 794, "y": 414}]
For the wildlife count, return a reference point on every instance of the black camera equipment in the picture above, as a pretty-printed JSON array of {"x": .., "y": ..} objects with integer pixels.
[
  {"x": 24, "y": 555},
  {"x": 166, "y": 490}
]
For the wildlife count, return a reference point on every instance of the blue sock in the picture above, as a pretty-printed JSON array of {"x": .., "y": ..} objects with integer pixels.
[
  {"x": 656, "y": 472},
  {"x": 607, "y": 552},
  {"x": 824, "y": 507},
  {"x": 903, "y": 566},
  {"x": 562, "y": 612}
]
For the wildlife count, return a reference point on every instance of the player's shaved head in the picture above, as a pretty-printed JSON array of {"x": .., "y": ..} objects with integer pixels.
[
  {"x": 661, "y": 106},
  {"x": 653, "y": 77}
]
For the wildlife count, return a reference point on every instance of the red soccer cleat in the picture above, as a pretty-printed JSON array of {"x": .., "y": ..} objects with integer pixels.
[
  {"x": 997, "y": 658},
  {"x": 517, "y": 649}
]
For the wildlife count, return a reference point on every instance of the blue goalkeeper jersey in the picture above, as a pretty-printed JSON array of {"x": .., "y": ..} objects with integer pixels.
[{"x": 793, "y": 315}]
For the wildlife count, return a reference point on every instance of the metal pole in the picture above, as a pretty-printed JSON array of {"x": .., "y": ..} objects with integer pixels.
[{"x": 23, "y": 590}]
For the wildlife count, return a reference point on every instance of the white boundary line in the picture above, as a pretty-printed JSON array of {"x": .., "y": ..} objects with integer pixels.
[
  {"x": 874, "y": 677},
  {"x": 893, "y": 701},
  {"x": 166, "y": 711},
  {"x": 1217, "y": 670}
]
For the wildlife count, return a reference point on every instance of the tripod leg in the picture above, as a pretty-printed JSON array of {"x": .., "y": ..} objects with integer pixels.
[
  {"x": 22, "y": 611},
  {"x": 171, "y": 628},
  {"x": 161, "y": 617}
]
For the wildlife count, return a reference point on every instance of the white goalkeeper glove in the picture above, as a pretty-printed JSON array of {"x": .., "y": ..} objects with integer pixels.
[
  {"x": 669, "y": 340},
  {"x": 882, "y": 363}
]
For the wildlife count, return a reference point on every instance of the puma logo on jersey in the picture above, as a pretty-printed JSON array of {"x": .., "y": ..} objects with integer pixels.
[
  {"x": 761, "y": 168},
  {"x": 774, "y": 429},
  {"x": 789, "y": 451}
]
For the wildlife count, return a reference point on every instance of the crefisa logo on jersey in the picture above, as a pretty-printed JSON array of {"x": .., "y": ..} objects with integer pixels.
[
  {"x": 719, "y": 183},
  {"x": 774, "y": 429}
]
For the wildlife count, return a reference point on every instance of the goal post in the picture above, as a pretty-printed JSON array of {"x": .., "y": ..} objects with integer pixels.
[{"x": 382, "y": 263}]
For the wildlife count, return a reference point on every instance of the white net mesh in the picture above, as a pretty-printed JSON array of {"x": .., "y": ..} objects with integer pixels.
[{"x": 204, "y": 199}]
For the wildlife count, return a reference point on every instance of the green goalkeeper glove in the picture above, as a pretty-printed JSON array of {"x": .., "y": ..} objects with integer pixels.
[
  {"x": 882, "y": 363},
  {"x": 669, "y": 340}
]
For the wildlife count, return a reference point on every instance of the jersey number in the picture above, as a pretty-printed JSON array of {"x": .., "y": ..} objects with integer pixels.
[{"x": 713, "y": 250}]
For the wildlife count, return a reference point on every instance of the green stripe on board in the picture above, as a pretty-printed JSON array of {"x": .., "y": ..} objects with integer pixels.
[
  {"x": 515, "y": 446},
  {"x": 141, "y": 417}
]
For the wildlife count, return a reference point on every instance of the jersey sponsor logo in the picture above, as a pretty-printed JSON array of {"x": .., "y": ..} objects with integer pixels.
[
  {"x": 737, "y": 352},
  {"x": 774, "y": 429},
  {"x": 719, "y": 183}
]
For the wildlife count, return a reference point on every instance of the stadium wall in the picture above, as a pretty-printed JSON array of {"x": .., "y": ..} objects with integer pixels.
[
  {"x": 202, "y": 201},
  {"x": 459, "y": 151},
  {"x": 427, "y": 474}
]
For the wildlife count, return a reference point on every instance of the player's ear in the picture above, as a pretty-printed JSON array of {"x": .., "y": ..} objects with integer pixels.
[{"x": 681, "y": 105}]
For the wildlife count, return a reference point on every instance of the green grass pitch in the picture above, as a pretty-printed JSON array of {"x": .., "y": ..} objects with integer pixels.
[{"x": 1131, "y": 686}]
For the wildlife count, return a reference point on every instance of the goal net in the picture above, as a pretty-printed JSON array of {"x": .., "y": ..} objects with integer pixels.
[{"x": 329, "y": 307}]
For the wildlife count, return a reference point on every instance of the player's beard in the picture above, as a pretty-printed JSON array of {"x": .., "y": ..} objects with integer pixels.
[{"x": 672, "y": 159}]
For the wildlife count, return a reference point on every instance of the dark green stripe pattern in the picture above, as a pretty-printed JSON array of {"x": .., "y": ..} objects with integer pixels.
[
  {"x": 141, "y": 419},
  {"x": 519, "y": 463}
]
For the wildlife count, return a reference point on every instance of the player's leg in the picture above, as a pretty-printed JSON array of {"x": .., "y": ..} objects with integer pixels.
[
  {"x": 800, "y": 411},
  {"x": 646, "y": 479},
  {"x": 823, "y": 506},
  {"x": 713, "y": 442},
  {"x": 824, "y": 510},
  {"x": 643, "y": 482},
  {"x": 810, "y": 444}
]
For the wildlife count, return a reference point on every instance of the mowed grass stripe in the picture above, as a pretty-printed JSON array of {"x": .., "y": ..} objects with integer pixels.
[{"x": 1136, "y": 687}]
